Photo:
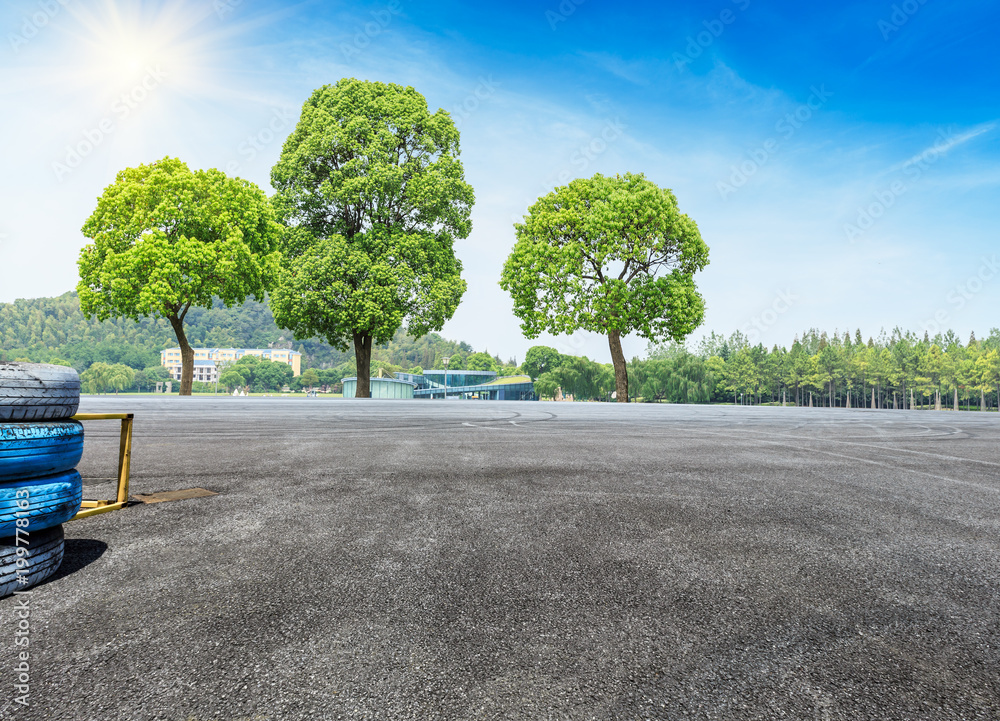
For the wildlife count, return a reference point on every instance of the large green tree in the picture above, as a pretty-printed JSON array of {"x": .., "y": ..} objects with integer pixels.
[
  {"x": 166, "y": 239},
  {"x": 373, "y": 193},
  {"x": 481, "y": 362},
  {"x": 102, "y": 377},
  {"x": 610, "y": 255},
  {"x": 540, "y": 359}
]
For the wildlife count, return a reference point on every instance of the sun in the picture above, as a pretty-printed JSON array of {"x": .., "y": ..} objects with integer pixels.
[
  {"x": 120, "y": 43},
  {"x": 121, "y": 60}
]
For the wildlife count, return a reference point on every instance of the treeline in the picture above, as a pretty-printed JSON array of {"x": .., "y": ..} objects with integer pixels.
[
  {"x": 896, "y": 370},
  {"x": 46, "y": 330}
]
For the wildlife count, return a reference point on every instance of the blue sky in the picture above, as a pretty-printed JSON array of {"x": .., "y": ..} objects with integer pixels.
[{"x": 841, "y": 160}]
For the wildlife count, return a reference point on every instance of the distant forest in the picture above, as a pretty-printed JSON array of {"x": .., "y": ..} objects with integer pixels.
[
  {"x": 43, "y": 330},
  {"x": 894, "y": 370}
]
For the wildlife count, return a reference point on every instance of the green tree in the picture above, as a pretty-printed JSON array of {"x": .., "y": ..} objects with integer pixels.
[
  {"x": 330, "y": 377},
  {"x": 988, "y": 371},
  {"x": 102, "y": 377},
  {"x": 232, "y": 378},
  {"x": 546, "y": 385},
  {"x": 540, "y": 359},
  {"x": 310, "y": 378},
  {"x": 828, "y": 367},
  {"x": 481, "y": 362},
  {"x": 373, "y": 192},
  {"x": 166, "y": 239},
  {"x": 930, "y": 370},
  {"x": 951, "y": 371},
  {"x": 271, "y": 376},
  {"x": 611, "y": 256}
]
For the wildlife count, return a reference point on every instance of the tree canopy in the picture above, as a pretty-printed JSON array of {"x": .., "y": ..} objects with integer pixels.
[
  {"x": 102, "y": 377},
  {"x": 373, "y": 194},
  {"x": 166, "y": 239},
  {"x": 481, "y": 362},
  {"x": 540, "y": 359},
  {"x": 611, "y": 255}
]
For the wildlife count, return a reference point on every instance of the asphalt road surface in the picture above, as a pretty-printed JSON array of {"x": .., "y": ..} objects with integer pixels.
[{"x": 492, "y": 560}]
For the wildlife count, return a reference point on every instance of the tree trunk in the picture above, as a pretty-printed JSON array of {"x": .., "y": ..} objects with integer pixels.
[
  {"x": 187, "y": 354},
  {"x": 911, "y": 399},
  {"x": 982, "y": 399},
  {"x": 810, "y": 399},
  {"x": 956, "y": 398},
  {"x": 621, "y": 372},
  {"x": 937, "y": 400},
  {"x": 363, "y": 362}
]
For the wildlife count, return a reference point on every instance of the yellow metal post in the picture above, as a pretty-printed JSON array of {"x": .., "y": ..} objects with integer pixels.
[
  {"x": 92, "y": 508},
  {"x": 124, "y": 458}
]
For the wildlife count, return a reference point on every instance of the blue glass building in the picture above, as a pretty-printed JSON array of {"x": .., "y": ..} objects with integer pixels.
[{"x": 477, "y": 385}]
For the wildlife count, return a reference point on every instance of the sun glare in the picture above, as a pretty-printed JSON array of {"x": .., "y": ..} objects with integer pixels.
[
  {"x": 124, "y": 42},
  {"x": 123, "y": 59}
]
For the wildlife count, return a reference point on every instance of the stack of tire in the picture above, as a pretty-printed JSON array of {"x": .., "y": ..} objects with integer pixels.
[{"x": 40, "y": 488}]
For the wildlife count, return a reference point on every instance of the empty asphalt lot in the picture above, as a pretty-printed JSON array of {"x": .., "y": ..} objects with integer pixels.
[{"x": 478, "y": 560}]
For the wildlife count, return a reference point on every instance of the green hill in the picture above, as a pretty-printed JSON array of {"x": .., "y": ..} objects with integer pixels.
[{"x": 45, "y": 329}]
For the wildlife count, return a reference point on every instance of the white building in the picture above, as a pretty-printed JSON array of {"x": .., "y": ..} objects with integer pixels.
[{"x": 208, "y": 360}]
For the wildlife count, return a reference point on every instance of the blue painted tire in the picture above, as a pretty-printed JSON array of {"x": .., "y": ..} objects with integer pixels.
[
  {"x": 43, "y": 556},
  {"x": 30, "y": 450},
  {"x": 38, "y": 392},
  {"x": 50, "y": 501}
]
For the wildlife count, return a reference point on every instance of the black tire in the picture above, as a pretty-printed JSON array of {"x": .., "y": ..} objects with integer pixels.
[
  {"x": 44, "y": 555},
  {"x": 50, "y": 501},
  {"x": 30, "y": 450},
  {"x": 38, "y": 392}
]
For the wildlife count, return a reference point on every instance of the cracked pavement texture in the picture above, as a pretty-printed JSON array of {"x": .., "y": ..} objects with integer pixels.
[{"x": 502, "y": 560}]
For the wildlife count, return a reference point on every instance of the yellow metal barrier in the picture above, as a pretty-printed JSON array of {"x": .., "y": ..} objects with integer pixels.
[{"x": 92, "y": 508}]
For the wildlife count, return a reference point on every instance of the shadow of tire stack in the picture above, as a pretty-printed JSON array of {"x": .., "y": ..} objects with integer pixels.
[{"x": 40, "y": 489}]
